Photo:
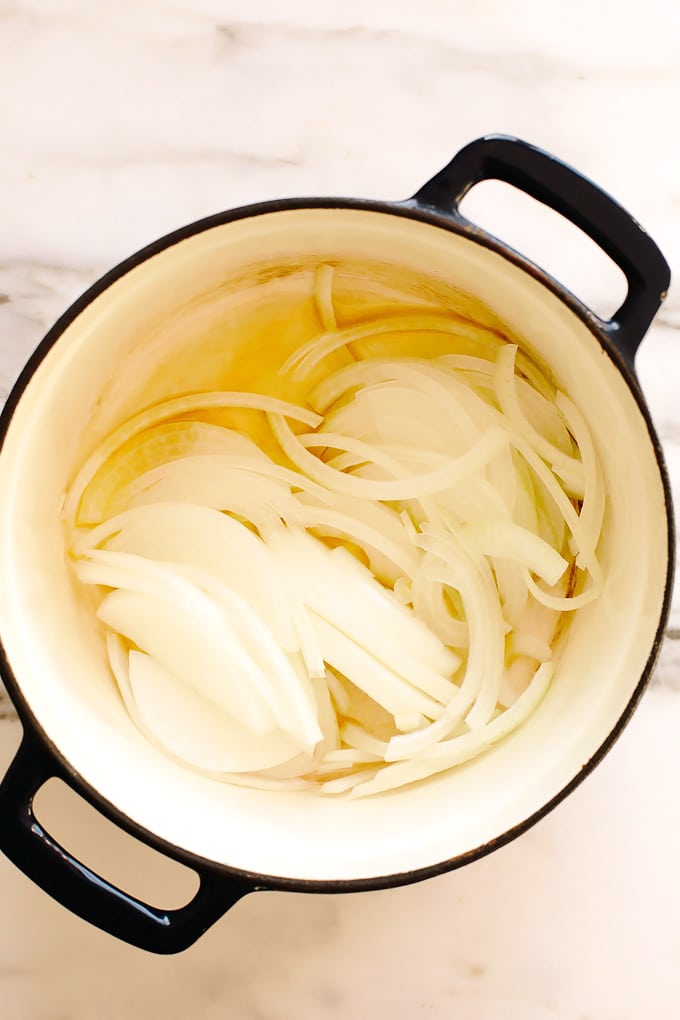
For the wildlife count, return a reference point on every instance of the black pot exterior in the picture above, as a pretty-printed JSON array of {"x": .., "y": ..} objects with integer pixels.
[{"x": 22, "y": 837}]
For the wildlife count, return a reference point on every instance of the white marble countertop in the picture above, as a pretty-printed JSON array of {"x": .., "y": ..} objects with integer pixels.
[{"x": 119, "y": 122}]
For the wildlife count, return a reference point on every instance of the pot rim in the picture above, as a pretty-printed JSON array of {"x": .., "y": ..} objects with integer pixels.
[{"x": 453, "y": 222}]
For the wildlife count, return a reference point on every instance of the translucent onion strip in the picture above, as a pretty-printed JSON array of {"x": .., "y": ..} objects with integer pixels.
[
  {"x": 585, "y": 540},
  {"x": 172, "y": 409},
  {"x": 171, "y": 635},
  {"x": 503, "y": 538},
  {"x": 402, "y": 558},
  {"x": 118, "y": 652},
  {"x": 346, "y": 783},
  {"x": 343, "y": 593},
  {"x": 119, "y": 661},
  {"x": 206, "y": 540},
  {"x": 323, "y": 296},
  {"x": 154, "y": 446},
  {"x": 381, "y": 683},
  {"x": 461, "y": 749},
  {"x": 171, "y": 619},
  {"x": 218, "y": 465},
  {"x": 357, "y": 737},
  {"x": 194, "y": 729},
  {"x": 410, "y": 487},
  {"x": 430, "y": 604},
  {"x": 569, "y": 469},
  {"x": 473, "y": 579},
  {"x": 307, "y": 357},
  {"x": 592, "y": 510},
  {"x": 293, "y": 697}
]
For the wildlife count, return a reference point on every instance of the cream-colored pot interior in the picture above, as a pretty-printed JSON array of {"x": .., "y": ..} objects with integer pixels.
[{"x": 171, "y": 325}]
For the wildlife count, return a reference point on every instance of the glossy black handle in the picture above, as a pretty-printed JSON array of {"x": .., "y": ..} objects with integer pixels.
[
  {"x": 24, "y": 840},
  {"x": 560, "y": 187}
]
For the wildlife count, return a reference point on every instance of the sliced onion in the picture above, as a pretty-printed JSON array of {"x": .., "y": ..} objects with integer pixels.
[
  {"x": 586, "y": 540},
  {"x": 569, "y": 469},
  {"x": 391, "y": 605},
  {"x": 503, "y": 538},
  {"x": 566, "y": 603},
  {"x": 343, "y": 784},
  {"x": 157, "y": 445},
  {"x": 119, "y": 661},
  {"x": 343, "y": 593},
  {"x": 472, "y": 577},
  {"x": 521, "y": 643},
  {"x": 460, "y": 749},
  {"x": 338, "y": 693},
  {"x": 330, "y": 741},
  {"x": 512, "y": 590},
  {"x": 212, "y": 542},
  {"x": 227, "y": 622},
  {"x": 307, "y": 357},
  {"x": 592, "y": 510},
  {"x": 350, "y": 756},
  {"x": 226, "y": 472},
  {"x": 308, "y": 638},
  {"x": 530, "y": 643},
  {"x": 468, "y": 363},
  {"x": 376, "y": 516},
  {"x": 381, "y": 683},
  {"x": 293, "y": 698},
  {"x": 172, "y": 620},
  {"x": 398, "y": 414},
  {"x": 323, "y": 296},
  {"x": 415, "y": 639},
  {"x": 172, "y": 409},
  {"x": 194, "y": 729},
  {"x": 356, "y": 736},
  {"x": 118, "y": 656},
  {"x": 344, "y": 461},
  {"x": 410, "y": 379},
  {"x": 544, "y": 417},
  {"x": 548, "y": 522},
  {"x": 387, "y": 559},
  {"x": 430, "y": 605},
  {"x": 409, "y": 487}
]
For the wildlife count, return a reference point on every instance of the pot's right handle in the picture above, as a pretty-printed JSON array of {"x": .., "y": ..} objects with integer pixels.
[
  {"x": 560, "y": 187},
  {"x": 42, "y": 859}
]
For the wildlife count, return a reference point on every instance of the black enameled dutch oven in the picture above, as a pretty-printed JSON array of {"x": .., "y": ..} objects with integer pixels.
[{"x": 146, "y": 331}]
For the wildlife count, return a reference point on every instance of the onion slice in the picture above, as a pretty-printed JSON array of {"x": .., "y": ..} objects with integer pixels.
[
  {"x": 460, "y": 749},
  {"x": 307, "y": 357},
  {"x": 170, "y": 441},
  {"x": 214, "y": 543},
  {"x": 505, "y": 539},
  {"x": 194, "y": 729},
  {"x": 172, "y": 620},
  {"x": 568, "y": 468},
  {"x": 192, "y": 402},
  {"x": 408, "y": 487},
  {"x": 323, "y": 296}
]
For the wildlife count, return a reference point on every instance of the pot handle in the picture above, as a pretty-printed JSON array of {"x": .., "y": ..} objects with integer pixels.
[
  {"x": 41, "y": 858},
  {"x": 560, "y": 187}
]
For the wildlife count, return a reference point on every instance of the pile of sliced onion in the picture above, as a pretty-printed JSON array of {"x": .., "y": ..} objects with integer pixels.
[{"x": 377, "y": 604}]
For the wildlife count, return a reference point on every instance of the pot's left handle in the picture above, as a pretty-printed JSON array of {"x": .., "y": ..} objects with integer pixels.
[{"x": 41, "y": 858}]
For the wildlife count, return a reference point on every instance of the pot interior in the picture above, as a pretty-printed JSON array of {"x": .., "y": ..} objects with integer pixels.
[{"x": 222, "y": 309}]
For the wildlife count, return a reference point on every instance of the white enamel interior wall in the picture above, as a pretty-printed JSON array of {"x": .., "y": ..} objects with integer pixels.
[{"x": 136, "y": 343}]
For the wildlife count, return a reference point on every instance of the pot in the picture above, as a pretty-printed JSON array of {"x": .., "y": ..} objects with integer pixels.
[{"x": 145, "y": 331}]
